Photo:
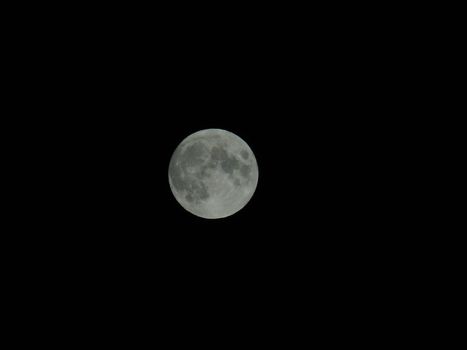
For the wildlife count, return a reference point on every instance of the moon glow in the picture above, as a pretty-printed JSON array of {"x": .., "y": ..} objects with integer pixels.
[{"x": 213, "y": 173}]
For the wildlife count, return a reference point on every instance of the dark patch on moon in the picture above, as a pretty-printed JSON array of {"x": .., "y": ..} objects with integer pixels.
[
  {"x": 245, "y": 170},
  {"x": 227, "y": 161},
  {"x": 230, "y": 164},
  {"x": 196, "y": 191},
  {"x": 236, "y": 182},
  {"x": 212, "y": 164},
  {"x": 200, "y": 192},
  {"x": 245, "y": 155},
  {"x": 218, "y": 154},
  {"x": 193, "y": 154},
  {"x": 203, "y": 172}
]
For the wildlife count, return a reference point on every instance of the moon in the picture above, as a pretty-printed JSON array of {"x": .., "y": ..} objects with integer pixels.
[{"x": 213, "y": 173}]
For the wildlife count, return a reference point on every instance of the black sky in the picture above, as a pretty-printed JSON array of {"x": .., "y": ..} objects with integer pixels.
[
  {"x": 304, "y": 100},
  {"x": 306, "y": 95}
]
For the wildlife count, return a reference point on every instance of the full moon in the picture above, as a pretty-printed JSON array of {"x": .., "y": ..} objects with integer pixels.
[{"x": 213, "y": 173}]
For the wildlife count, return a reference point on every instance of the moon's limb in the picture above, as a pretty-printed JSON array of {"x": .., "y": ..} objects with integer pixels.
[{"x": 213, "y": 173}]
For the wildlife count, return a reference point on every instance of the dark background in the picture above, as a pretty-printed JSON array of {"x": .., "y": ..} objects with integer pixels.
[{"x": 115, "y": 94}]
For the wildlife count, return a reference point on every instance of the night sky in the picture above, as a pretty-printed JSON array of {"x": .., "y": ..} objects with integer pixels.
[{"x": 304, "y": 94}]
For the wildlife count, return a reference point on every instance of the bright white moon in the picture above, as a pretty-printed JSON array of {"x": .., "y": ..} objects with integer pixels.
[{"x": 213, "y": 173}]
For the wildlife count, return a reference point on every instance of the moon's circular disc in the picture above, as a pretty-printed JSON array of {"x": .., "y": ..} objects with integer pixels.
[{"x": 213, "y": 173}]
